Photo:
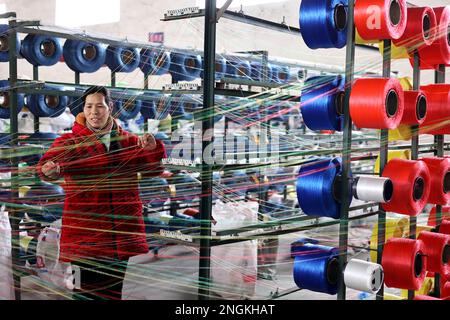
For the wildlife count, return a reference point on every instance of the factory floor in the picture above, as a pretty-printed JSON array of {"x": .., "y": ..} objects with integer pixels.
[{"x": 173, "y": 274}]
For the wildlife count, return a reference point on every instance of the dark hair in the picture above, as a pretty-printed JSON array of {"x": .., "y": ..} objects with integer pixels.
[{"x": 97, "y": 89}]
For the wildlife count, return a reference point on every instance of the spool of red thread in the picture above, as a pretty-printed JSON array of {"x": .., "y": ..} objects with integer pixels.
[
  {"x": 440, "y": 180},
  {"x": 377, "y": 103},
  {"x": 437, "y": 249},
  {"x": 432, "y": 216},
  {"x": 420, "y": 29},
  {"x": 424, "y": 297},
  {"x": 439, "y": 51},
  {"x": 445, "y": 227},
  {"x": 380, "y": 19},
  {"x": 191, "y": 212},
  {"x": 438, "y": 113},
  {"x": 415, "y": 108},
  {"x": 411, "y": 181},
  {"x": 404, "y": 263},
  {"x": 445, "y": 290}
]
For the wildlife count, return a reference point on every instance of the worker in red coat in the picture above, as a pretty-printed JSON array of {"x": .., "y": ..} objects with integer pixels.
[{"x": 102, "y": 223}]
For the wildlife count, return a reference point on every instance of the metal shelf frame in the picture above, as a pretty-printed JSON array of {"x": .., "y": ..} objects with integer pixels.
[{"x": 209, "y": 90}]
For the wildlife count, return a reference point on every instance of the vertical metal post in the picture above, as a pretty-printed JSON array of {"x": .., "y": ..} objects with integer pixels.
[
  {"x": 77, "y": 77},
  {"x": 36, "y": 117},
  {"x": 113, "y": 79},
  {"x": 384, "y": 144},
  {"x": 414, "y": 152},
  {"x": 145, "y": 87},
  {"x": 146, "y": 81},
  {"x": 346, "y": 148},
  {"x": 439, "y": 77},
  {"x": 207, "y": 125},
  {"x": 13, "y": 213}
]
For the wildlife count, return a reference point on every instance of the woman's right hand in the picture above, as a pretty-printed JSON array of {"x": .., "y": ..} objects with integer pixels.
[{"x": 51, "y": 169}]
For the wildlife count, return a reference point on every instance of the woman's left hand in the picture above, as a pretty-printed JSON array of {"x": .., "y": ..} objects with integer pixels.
[{"x": 147, "y": 142}]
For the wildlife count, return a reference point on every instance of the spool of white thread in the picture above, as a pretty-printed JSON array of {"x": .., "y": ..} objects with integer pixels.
[
  {"x": 378, "y": 189},
  {"x": 363, "y": 275}
]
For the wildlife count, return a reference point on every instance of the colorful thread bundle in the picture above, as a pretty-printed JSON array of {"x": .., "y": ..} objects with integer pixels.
[
  {"x": 323, "y": 24},
  {"x": 377, "y": 103},
  {"x": 404, "y": 263},
  {"x": 322, "y": 103},
  {"x": 411, "y": 181}
]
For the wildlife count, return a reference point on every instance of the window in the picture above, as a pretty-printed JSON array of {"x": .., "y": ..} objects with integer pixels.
[
  {"x": 78, "y": 13},
  {"x": 238, "y": 3}
]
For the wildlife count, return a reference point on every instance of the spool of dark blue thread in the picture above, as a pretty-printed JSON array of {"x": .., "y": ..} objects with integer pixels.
[
  {"x": 318, "y": 188},
  {"x": 316, "y": 268},
  {"x": 322, "y": 103},
  {"x": 323, "y": 23}
]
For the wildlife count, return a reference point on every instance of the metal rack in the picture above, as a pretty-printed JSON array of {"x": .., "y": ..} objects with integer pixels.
[{"x": 203, "y": 236}]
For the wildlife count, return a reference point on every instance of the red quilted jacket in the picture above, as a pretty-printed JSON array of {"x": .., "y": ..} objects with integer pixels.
[{"x": 102, "y": 215}]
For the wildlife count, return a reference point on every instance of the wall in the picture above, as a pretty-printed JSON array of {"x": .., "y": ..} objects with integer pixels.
[{"x": 138, "y": 17}]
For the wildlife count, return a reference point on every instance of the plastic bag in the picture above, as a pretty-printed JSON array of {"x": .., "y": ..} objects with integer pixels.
[
  {"x": 48, "y": 266},
  {"x": 6, "y": 277},
  {"x": 234, "y": 266}
]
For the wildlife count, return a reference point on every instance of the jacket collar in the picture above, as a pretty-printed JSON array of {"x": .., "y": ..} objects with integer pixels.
[{"x": 79, "y": 127}]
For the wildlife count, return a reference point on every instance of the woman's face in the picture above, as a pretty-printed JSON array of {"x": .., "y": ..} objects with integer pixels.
[{"x": 96, "y": 110}]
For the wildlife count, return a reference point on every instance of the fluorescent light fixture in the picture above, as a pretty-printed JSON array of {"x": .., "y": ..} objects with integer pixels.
[
  {"x": 79, "y": 13},
  {"x": 238, "y": 3}
]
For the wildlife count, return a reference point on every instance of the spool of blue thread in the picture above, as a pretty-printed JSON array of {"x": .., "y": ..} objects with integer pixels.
[
  {"x": 183, "y": 221},
  {"x": 185, "y": 67},
  {"x": 187, "y": 187},
  {"x": 280, "y": 74},
  {"x": 5, "y": 108},
  {"x": 163, "y": 107},
  {"x": 154, "y": 191},
  {"x": 323, "y": 23},
  {"x": 257, "y": 71},
  {"x": 178, "y": 112},
  {"x": 41, "y": 50},
  {"x": 322, "y": 103},
  {"x": 126, "y": 109},
  {"x": 154, "y": 62},
  {"x": 4, "y": 44},
  {"x": 42, "y": 193},
  {"x": 318, "y": 186},
  {"x": 240, "y": 69},
  {"x": 75, "y": 104},
  {"x": 295, "y": 246},
  {"x": 148, "y": 109},
  {"x": 316, "y": 268},
  {"x": 220, "y": 68}
]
